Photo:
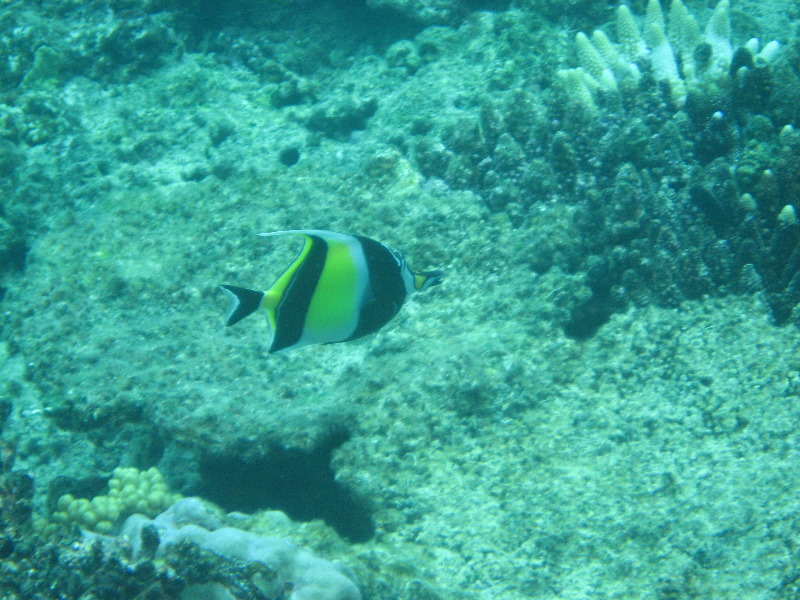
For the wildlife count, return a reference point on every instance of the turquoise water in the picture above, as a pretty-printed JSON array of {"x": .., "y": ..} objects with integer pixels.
[{"x": 599, "y": 401}]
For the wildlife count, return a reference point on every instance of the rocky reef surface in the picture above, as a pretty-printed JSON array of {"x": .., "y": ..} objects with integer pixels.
[{"x": 598, "y": 401}]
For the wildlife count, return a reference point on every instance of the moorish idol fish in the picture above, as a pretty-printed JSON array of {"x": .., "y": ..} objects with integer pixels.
[{"x": 339, "y": 288}]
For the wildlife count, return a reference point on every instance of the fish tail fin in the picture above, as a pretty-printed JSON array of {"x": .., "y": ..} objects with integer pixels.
[
  {"x": 427, "y": 279},
  {"x": 243, "y": 302}
]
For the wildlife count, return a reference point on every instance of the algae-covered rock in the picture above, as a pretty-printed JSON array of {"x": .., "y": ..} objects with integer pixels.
[
  {"x": 190, "y": 536},
  {"x": 427, "y": 12},
  {"x": 341, "y": 116}
]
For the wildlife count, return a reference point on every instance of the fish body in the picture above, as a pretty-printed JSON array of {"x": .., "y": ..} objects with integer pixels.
[{"x": 339, "y": 288}]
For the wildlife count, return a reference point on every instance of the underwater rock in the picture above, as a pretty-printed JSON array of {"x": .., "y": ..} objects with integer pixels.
[
  {"x": 10, "y": 158},
  {"x": 12, "y": 247},
  {"x": 137, "y": 45},
  {"x": 404, "y": 54},
  {"x": 189, "y": 533},
  {"x": 427, "y": 12},
  {"x": 340, "y": 117}
]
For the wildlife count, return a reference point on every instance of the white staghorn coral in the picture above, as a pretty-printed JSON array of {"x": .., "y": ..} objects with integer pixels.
[
  {"x": 685, "y": 36},
  {"x": 632, "y": 45},
  {"x": 654, "y": 18},
  {"x": 594, "y": 63},
  {"x": 679, "y": 53},
  {"x": 662, "y": 59},
  {"x": 718, "y": 36},
  {"x": 581, "y": 87},
  {"x": 611, "y": 57}
]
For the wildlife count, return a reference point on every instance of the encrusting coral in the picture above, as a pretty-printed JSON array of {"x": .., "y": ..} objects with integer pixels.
[
  {"x": 231, "y": 563},
  {"x": 679, "y": 54},
  {"x": 130, "y": 491}
]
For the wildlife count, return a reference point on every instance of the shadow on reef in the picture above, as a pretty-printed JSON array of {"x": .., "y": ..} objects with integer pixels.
[
  {"x": 333, "y": 23},
  {"x": 300, "y": 483}
]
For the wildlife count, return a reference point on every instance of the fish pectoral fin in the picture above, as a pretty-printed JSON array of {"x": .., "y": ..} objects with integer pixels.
[{"x": 244, "y": 302}]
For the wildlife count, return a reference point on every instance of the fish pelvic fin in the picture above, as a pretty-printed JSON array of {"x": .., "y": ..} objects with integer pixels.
[{"x": 244, "y": 302}]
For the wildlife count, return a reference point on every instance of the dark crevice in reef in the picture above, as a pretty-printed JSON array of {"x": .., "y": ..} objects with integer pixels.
[
  {"x": 339, "y": 21},
  {"x": 300, "y": 483},
  {"x": 588, "y": 317},
  {"x": 13, "y": 257},
  {"x": 492, "y": 5}
]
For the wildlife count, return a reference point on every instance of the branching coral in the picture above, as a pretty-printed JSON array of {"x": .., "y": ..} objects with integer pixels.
[{"x": 677, "y": 53}]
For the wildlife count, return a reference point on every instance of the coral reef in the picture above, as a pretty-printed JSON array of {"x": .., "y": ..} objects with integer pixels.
[
  {"x": 662, "y": 113},
  {"x": 677, "y": 55},
  {"x": 569, "y": 415},
  {"x": 185, "y": 552}
]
